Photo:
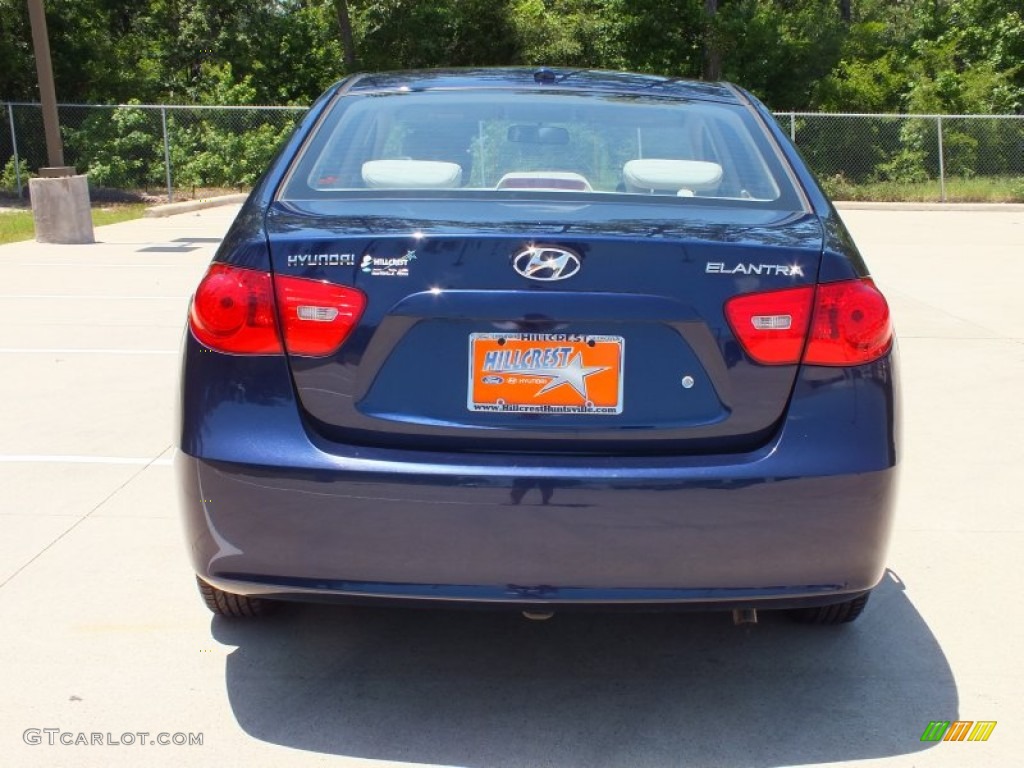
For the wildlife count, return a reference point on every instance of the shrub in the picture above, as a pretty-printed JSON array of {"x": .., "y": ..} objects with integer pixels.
[
  {"x": 120, "y": 147},
  {"x": 8, "y": 177}
]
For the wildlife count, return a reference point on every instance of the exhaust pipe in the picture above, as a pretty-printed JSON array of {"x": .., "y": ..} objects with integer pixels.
[
  {"x": 744, "y": 616},
  {"x": 538, "y": 615}
]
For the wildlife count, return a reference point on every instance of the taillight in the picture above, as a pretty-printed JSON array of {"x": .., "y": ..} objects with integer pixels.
[
  {"x": 233, "y": 311},
  {"x": 843, "y": 323},
  {"x": 317, "y": 316},
  {"x": 851, "y": 324},
  {"x": 772, "y": 326}
]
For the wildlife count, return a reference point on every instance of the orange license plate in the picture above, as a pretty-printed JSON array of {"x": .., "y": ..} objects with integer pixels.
[{"x": 545, "y": 373}]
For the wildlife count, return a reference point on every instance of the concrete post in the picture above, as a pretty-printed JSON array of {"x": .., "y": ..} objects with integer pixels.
[{"x": 60, "y": 209}]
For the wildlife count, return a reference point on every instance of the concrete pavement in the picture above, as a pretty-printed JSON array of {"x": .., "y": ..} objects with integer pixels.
[{"x": 102, "y": 631}]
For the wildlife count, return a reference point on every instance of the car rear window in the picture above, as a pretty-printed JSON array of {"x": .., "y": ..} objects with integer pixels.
[{"x": 516, "y": 144}]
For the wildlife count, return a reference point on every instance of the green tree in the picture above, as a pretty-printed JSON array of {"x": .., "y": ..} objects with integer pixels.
[
  {"x": 399, "y": 34},
  {"x": 934, "y": 55}
]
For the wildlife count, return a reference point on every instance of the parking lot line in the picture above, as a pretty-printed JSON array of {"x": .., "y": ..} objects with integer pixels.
[
  {"x": 91, "y": 266},
  {"x": 94, "y": 351},
  {"x": 34, "y": 458},
  {"x": 89, "y": 296}
]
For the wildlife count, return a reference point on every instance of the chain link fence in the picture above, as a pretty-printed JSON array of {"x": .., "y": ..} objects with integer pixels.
[
  {"x": 912, "y": 157},
  {"x": 169, "y": 150},
  {"x": 147, "y": 148}
]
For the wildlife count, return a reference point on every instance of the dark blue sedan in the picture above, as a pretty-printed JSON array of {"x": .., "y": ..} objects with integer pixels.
[{"x": 539, "y": 339}]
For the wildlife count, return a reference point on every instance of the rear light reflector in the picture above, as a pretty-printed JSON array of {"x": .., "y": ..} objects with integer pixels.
[
  {"x": 233, "y": 311},
  {"x": 772, "y": 326},
  {"x": 772, "y": 322},
  {"x": 317, "y": 316},
  {"x": 851, "y": 324},
  {"x": 842, "y": 323}
]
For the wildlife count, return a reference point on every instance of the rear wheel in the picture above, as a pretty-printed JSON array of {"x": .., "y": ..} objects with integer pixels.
[
  {"x": 231, "y": 605},
  {"x": 837, "y": 613}
]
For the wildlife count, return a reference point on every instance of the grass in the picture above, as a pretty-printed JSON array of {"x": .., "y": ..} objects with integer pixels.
[
  {"x": 114, "y": 214},
  {"x": 18, "y": 225},
  {"x": 980, "y": 189}
]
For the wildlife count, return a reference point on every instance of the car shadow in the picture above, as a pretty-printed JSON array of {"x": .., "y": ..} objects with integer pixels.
[{"x": 471, "y": 688}]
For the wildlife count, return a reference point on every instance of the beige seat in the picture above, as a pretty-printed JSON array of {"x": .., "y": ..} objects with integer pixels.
[
  {"x": 411, "y": 174},
  {"x": 679, "y": 177}
]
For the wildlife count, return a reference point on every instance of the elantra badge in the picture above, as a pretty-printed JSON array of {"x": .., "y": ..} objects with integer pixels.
[
  {"x": 544, "y": 262},
  {"x": 720, "y": 268}
]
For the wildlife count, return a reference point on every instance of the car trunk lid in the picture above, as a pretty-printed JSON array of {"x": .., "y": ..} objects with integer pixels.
[{"x": 470, "y": 340}]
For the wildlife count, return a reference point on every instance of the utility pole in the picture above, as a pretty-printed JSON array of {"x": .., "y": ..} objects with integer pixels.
[
  {"x": 47, "y": 93},
  {"x": 60, "y": 199},
  {"x": 711, "y": 66},
  {"x": 348, "y": 48}
]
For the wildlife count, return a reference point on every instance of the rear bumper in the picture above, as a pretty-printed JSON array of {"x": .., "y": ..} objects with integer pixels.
[
  {"x": 627, "y": 539},
  {"x": 270, "y": 510}
]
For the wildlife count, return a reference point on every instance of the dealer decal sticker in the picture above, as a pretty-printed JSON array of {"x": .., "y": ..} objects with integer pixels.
[{"x": 384, "y": 266}]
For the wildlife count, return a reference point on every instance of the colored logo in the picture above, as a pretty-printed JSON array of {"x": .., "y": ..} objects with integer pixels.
[
  {"x": 542, "y": 262},
  {"x": 379, "y": 266},
  {"x": 555, "y": 365},
  {"x": 958, "y": 730}
]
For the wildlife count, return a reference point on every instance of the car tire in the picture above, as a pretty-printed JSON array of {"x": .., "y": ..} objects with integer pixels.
[
  {"x": 837, "y": 613},
  {"x": 230, "y": 605}
]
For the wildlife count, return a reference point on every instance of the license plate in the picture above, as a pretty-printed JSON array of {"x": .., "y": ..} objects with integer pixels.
[{"x": 545, "y": 373}]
